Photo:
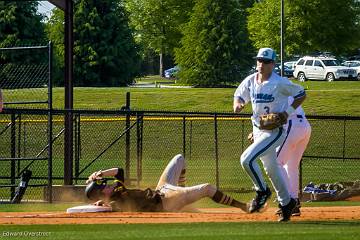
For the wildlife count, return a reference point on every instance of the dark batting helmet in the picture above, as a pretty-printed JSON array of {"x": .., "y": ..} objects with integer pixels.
[{"x": 94, "y": 189}]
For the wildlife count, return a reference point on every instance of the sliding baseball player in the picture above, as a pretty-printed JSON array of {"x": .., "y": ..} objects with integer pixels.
[{"x": 169, "y": 195}]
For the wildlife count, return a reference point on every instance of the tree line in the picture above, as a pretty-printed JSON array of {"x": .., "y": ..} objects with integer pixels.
[{"x": 213, "y": 42}]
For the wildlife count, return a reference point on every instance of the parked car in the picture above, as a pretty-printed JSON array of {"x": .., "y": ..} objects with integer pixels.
[
  {"x": 287, "y": 71},
  {"x": 171, "y": 72},
  {"x": 353, "y": 64},
  {"x": 291, "y": 65},
  {"x": 322, "y": 68}
]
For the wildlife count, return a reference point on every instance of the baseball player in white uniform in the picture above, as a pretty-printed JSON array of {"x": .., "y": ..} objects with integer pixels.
[
  {"x": 169, "y": 195},
  {"x": 291, "y": 151},
  {"x": 268, "y": 93}
]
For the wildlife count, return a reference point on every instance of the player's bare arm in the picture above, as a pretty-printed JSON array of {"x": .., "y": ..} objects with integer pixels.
[
  {"x": 103, "y": 173},
  {"x": 297, "y": 102},
  {"x": 238, "y": 105}
]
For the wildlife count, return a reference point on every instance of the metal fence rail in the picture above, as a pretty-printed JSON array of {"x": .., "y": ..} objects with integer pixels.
[{"x": 142, "y": 142}]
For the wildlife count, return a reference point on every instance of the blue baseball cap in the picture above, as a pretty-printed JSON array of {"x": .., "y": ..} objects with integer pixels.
[{"x": 266, "y": 53}]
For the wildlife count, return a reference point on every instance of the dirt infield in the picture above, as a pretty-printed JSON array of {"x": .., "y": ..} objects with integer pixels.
[{"x": 204, "y": 215}]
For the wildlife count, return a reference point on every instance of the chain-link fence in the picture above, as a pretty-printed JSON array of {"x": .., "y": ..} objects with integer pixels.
[
  {"x": 211, "y": 143},
  {"x": 25, "y": 76},
  {"x": 25, "y": 80}
]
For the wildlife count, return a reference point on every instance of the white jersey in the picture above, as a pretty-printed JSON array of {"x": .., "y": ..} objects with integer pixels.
[
  {"x": 299, "y": 111},
  {"x": 271, "y": 96}
]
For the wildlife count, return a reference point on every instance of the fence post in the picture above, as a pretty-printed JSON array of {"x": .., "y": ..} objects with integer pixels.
[
  {"x": 139, "y": 128},
  {"x": 50, "y": 154},
  {"x": 68, "y": 84},
  {"x": 50, "y": 123},
  {"x": 216, "y": 150},
  {"x": 242, "y": 135},
  {"x": 13, "y": 153},
  {"x": 127, "y": 139},
  {"x": 190, "y": 140},
  {"x": 19, "y": 145},
  {"x": 184, "y": 136},
  {"x": 77, "y": 147}
]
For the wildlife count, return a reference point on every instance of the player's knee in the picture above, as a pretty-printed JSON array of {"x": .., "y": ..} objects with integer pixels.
[
  {"x": 244, "y": 160},
  {"x": 179, "y": 160},
  {"x": 179, "y": 157},
  {"x": 209, "y": 189}
]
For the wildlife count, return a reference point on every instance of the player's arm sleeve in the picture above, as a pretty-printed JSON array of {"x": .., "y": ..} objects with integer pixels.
[
  {"x": 242, "y": 93},
  {"x": 120, "y": 175},
  {"x": 296, "y": 91},
  {"x": 291, "y": 89},
  {"x": 241, "y": 97}
]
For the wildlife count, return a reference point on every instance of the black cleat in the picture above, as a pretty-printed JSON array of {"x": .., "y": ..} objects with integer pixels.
[
  {"x": 286, "y": 211},
  {"x": 259, "y": 201},
  {"x": 296, "y": 210}
]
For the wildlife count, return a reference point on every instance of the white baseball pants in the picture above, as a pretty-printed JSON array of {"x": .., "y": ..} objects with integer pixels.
[
  {"x": 174, "y": 198},
  {"x": 291, "y": 152},
  {"x": 264, "y": 147}
]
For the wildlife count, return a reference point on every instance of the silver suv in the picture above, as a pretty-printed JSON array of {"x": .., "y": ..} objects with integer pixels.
[
  {"x": 353, "y": 64},
  {"x": 321, "y": 68}
]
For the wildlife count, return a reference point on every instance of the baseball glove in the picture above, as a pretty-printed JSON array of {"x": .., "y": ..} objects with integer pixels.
[{"x": 272, "y": 120}]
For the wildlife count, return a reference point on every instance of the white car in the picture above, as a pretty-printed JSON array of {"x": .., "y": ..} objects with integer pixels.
[
  {"x": 322, "y": 68},
  {"x": 353, "y": 64}
]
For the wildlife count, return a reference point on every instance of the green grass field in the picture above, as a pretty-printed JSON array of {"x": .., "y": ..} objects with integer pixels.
[
  {"x": 335, "y": 230},
  {"x": 335, "y": 98},
  {"x": 324, "y": 98}
]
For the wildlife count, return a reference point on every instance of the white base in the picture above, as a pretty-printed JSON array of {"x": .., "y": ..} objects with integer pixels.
[{"x": 88, "y": 208}]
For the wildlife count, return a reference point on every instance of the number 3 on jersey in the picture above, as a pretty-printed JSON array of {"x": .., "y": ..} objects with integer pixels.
[{"x": 267, "y": 109}]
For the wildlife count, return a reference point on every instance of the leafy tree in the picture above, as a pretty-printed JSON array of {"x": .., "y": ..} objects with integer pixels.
[
  {"x": 215, "y": 47},
  {"x": 157, "y": 24},
  {"x": 20, "y": 24},
  {"x": 104, "y": 48},
  {"x": 325, "y": 25},
  {"x": 55, "y": 31}
]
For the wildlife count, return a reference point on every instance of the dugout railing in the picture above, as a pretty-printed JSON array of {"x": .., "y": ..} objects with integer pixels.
[{"x": 143, "y": 141}]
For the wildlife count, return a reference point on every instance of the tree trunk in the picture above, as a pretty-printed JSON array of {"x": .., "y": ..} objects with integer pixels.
[{"x": 161, "y": 65}]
